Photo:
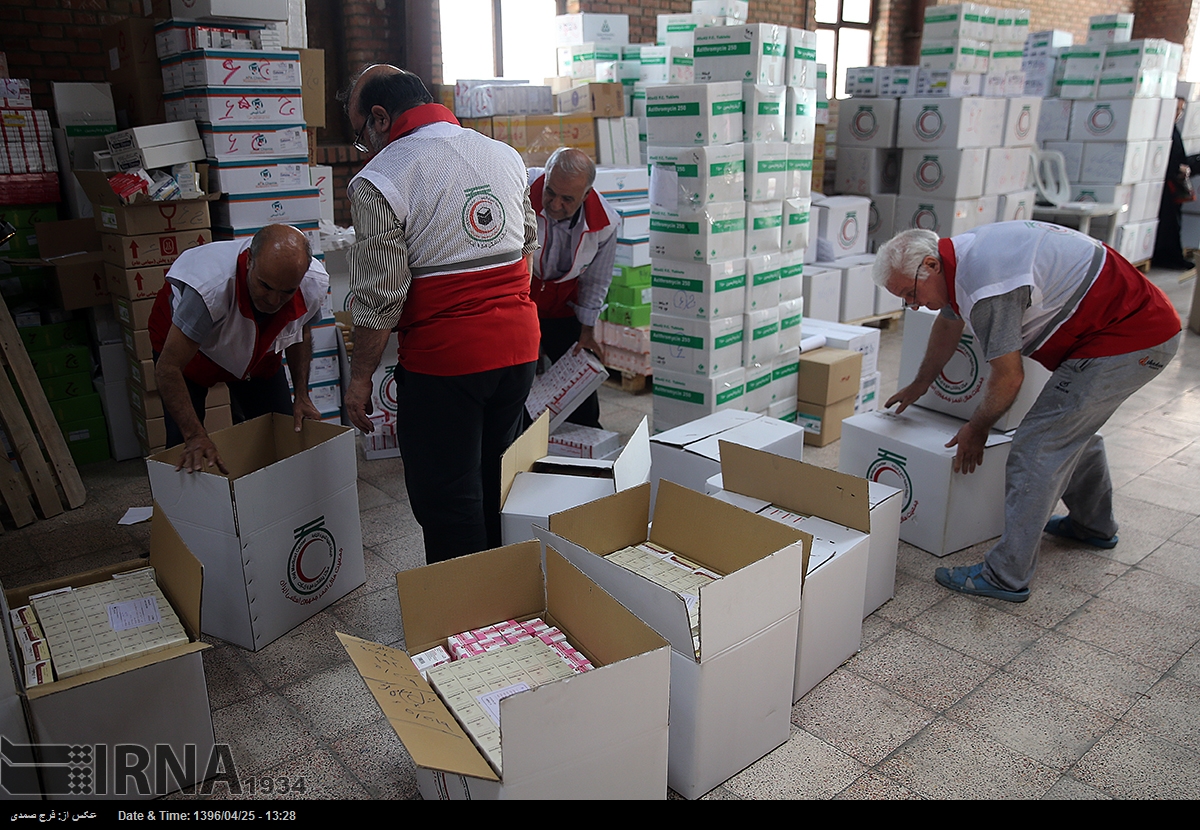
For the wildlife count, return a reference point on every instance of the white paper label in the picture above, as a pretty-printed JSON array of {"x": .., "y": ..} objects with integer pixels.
[
  {"x": 664, "y": 187},
  {"x": 490, "y": 701},
  {"x": 133, "y": 614}
]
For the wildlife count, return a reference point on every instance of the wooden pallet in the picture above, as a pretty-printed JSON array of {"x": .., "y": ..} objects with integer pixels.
[
  {"x": 1143, "y": 266},
  {"x": 885, "y": 321},
  {"x": 40, "y": 477},
  {"x": 627, "y": 381}
]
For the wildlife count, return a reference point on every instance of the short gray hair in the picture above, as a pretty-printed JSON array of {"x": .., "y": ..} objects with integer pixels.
[
  {"x": 903, "y": 254},
  {"x": 573, "y": 162}
]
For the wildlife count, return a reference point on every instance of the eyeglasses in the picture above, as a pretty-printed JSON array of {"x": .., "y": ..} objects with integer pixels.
[
  {"x": 358, "y": 139},
  {"x": 910, "y": 300}
]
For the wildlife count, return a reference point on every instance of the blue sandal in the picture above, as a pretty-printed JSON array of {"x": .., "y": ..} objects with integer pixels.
[
  {"x": 1062, "y": 526},
  {"x": 969, "y": 579}
]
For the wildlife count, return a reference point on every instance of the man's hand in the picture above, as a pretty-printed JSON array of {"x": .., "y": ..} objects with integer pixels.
[
  {"x": 587, "y": 340},
  {"x": 969, "y": 440},
  {"x": 358, "y": 404},
  {"x": 907, "y": 396},
  {"x": 199, "y": 452},
  {"x": 302, "y": 407}
]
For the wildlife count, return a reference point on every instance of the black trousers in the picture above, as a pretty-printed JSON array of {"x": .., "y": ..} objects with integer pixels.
[
  {"x": 247, "y": 399},
  {"x": 558, "y": 335},
  {"x": 452, "y": 432}
]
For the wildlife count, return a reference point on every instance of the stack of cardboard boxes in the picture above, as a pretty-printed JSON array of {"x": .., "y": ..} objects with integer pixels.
[{"x": 828, "y": 383}]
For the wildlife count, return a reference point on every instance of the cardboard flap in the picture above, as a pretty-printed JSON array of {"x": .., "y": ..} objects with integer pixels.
[
  {"x": 758, "y": 596},
  {"x": 426, "y": 728},
  {"x": 180, "y": 574},
  {"x": 796, "y": 486},
  {"x": 607, "y": 524},
  {"x": 532, "y": 445},
  {"x": 632, "y": 466},
  {"x": 99, "y": 192},
  {"x": 704, "y": 427},
  {"x": 467, "y": 592},
  {"x": 70, "y": 236},
  {"x": 717, "y": 535},
  {"x": 606, "y": 630},
  {"x": 660, "y": 608}
]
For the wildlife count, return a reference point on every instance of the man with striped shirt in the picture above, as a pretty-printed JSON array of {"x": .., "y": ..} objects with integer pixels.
[
  {"x": 1081, "y": 310},
  {"x": 444, "y": 230}
]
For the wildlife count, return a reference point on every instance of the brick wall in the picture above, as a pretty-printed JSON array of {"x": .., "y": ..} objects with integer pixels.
[{"x": 58, "y": 40}]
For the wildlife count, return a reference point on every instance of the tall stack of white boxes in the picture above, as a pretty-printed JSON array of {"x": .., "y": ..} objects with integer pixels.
[
  {"x": 1189, "y": 130},
  {"x": 731, "y": 185},
  {"x": 1111, "y": 120}
]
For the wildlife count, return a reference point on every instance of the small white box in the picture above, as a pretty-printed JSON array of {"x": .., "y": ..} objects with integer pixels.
[
  {"x": 695, "y": 347},
  {"x": 760, "y": 340},
  {"x": 858, "y": 289},
  {"x": 680, "y": 398},
  {"x": 698, "y": 291},
  {"x": 766, "y": 172},
  {"x": 575, "y": 29},
  {"x": 868, "y": 123},
  {"x": 694, "y": 114},
  {"x": 716, "y": 233},
  {"x": 800, "y": 126},
  {"x": 764, "y": 226},
  {"x": 257, "y": 210},
  {"x": 941, "y": 511},
  {"x": 943, "y": 217},
  {"x": 764, "y": 113},
  {"x": 801, "y": 66},
  {"x": 861, "y": 339},
  {"x": 699, "y": 175},
  {"x": 843, "y": 223},
  {"x": 752, "y": 53},
  {"x": 1110, "y": 28},
  {"x": 762, "y": 281},
  {"x": 822, "y": 294},
  {"x": 1113, "y": 163},
  {"x": 260, "y": 176},
  {"x": 949, "y": 174}
]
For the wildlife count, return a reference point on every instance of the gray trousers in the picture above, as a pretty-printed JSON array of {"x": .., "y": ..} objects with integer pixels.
[{"x": 1056, "y": 453}]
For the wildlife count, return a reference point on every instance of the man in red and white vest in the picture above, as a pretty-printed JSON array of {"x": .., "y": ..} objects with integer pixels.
[
  {"x": 227, "y": 314},
  {"x": 444, "y": 230},
  {"x": 1081, "y": 310},
  {"x": 577, "y": 231}
]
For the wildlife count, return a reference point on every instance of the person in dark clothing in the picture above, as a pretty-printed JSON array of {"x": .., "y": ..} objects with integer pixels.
[{"x": 1168, "y": 247}]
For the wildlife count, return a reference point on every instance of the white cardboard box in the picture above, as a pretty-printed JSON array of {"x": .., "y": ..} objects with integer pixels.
[
  {"x": 599, "y": 734},
  {"x": 695, "y": 347},
  {"x": 698, "y": 291},
  {"x": 945, "y": 217},
  {"x": 948, "y": 174},
  {"x": 858, "y": 289},
  {"x": 950, "y": 122},
  {"x": 942, "y": 511},
  {"x": 835, "y": 509},
  {"x": 822, "y": 292},
  {"x": 279, "y": 537},
  {"x": 842, "y": 224},
  {"x": 731, "y": 705},
  {"x": 534, "y": 484},
  {"x": 158, "y": 701},
  {"x": 958, "y": 390},
  {"x": 869, "y": 122},
  {"x": 716, "y": 233},
  {"x": 685, "y": 115},
  {"x": 680, "y": 398},
  {"x": 689, "y": 454}
]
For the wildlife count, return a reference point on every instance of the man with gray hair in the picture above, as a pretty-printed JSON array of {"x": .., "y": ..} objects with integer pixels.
[
  {"x": 1081, "y": 310},
  {"x": 577, "y": 230}
]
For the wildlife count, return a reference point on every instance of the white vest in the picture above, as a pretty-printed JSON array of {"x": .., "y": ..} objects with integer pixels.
[
  {"x": 212, "y": 271},
  {"x": 586, "y": 241},
  {"x": 1058, "y": 264},
  {"x": 459, "y": 195}
]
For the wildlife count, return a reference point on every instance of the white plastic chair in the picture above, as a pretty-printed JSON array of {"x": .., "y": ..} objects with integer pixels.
[{"x": 1049, "y": 171}]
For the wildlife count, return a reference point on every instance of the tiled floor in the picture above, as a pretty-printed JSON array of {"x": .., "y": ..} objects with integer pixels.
[{"x": 1091, "y": 689}]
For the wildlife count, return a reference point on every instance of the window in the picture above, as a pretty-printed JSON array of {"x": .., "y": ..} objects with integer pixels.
[
  {"x": 498, "y": 39},
  {"x": 844, "y": 32}
]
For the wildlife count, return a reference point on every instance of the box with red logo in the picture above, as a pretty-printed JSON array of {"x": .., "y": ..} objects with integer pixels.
[
  {"x": 150, "y": 249},
  {"x": 279, "y": 536}
]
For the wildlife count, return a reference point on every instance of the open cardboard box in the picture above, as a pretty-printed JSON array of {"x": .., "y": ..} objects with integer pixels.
[
  {"x": 143, "y": 215},
  {"x": 280, "y": 536},
  {"x": 73, "y": 249},
  {"x": 689, "y": 454},
  {"x": 153, "y": 700},
  {"x": 941, "y": 511},
  {"x": 599, "y": 734},
  {"x": 731, "y": 705},
  {"x": 534, "y": 484},
  {"x": 837, "y": 514}
]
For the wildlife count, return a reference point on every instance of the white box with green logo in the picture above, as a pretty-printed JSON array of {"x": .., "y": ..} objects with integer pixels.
[
  {"x": 799, "y": 171},
  {"x": 678, "y": 29},
  {"x": 680, "y": 398},
  {"x": 800, "y": 68},
  {"x": 785, "y": 375},
  {"x": 758, "y": 387},
  {"x": 800, "y": 125},
  {"x": 575, "y": 29},
  {"x": 753, "y": 53},
  {"x": 695, "y": 347},
  {"x": 666, "y": 65},
  {"x": 716, "y": 233},
  {"x": 796, "y": 225},
  {"x": 941, "y": 511},
  {"x": 762, "y": 281},
  {"x": 791, "y": 315},
  {"x": 766, "y": 171},
  {"x": 685, "y": 115},
  {"x": 701, "y": 175},
  {"x": 791, "y": 275},
  {"x": 764, "y": 225},
  {"x": 764, "y": 116},
  {"x": 698, "y": 291},
  {"x": 971, "y": 20},
  {"x": 760, "y": 341}
]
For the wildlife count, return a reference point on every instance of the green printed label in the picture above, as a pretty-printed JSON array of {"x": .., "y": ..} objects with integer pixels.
[
  {"x": 758, "y": 383},
  {"x": 773, "y": 49},
  {"x": 768, "y": 108},
  {"x": 726, "y": 168},
  {"x": 672, "y": 339},
  {"x": 726, "y": 340},
  {"x": 722, "y": 50},
  {"x": 681, "y": 27},
  {"x": 654, "y": 61},
  {"x": 800, "y": 164},
  {"x": 780, "y": 372},
  {"x": 801, "y": 53},
  {"x": 1100, "y": 27},
  {"x": 730, "y": 394},
  {"x": 791, "y": 271},
  {"x": 941, "y": 50},
  {"x": 764, "y": 277},
  {"x": 766, "y": 331},
  {"x": 941, "y": 18},
  {"x": 668, "y": 110},
  {"x": 685, "y": 395},
  {"x": 767, "y": 222},
  {"x": 688, "y": 171},
  {"x": 728, "y": 225},
  {"x": 790, "y": 322},
  {"x": 772, "y": 166},
  {"x": 676, "y": 283},
  {"x": 669, "y": 226},
  {"x": 798, "y": 219},
  {"x": 725, "y": 107},
  {"x": 730, "y": 283}
]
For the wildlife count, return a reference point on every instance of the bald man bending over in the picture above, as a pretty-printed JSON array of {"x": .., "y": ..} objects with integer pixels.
[{"x": 226, "y": 314}]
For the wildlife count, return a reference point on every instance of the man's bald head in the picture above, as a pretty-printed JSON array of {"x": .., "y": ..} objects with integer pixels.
[
  {"x": 570, "y": 174},
  {"x": 280, "y": 256},
  {"x": 377, "y": 97}
]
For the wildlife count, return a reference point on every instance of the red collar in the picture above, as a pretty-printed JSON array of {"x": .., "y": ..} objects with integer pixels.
[
  {"x": 949, "y": 269},
  {"x": 594, "y": 214},
  {"x": 419, "y": 116}
]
